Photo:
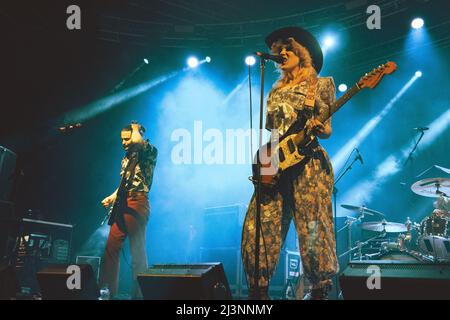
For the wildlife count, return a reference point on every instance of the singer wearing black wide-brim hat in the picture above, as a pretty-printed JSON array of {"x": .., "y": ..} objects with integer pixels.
[
  {"x": 304, "y": 38},
  {"x": 303, "y": 192}
]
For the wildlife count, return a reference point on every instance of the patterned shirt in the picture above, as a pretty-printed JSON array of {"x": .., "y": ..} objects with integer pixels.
[
  {"x": 143, "y": 174},
  {"x": 284, "y": 103}
]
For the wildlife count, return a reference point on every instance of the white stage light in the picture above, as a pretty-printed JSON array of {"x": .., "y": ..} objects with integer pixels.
[
  {"x": 192, "y": 62},
  {"x": 342, "y": 87},
  {"x": 250, "y": 60},
  {"x": 417, "y": 23}
]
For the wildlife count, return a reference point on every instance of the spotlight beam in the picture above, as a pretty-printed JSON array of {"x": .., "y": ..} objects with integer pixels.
[
  {"x": 95, "y": 108},
  {"x": 363, "y": 191},
  {"x": 340, "y": 157},
  {"x": 234, "y": 91},
  {"x": 132, "y": 73}
]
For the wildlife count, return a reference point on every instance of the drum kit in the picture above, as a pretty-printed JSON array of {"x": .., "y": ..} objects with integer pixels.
[{"x": 428, "y": 240}]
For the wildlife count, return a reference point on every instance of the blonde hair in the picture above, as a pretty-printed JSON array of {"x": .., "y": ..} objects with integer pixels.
[{"x": 306, "y": 72}]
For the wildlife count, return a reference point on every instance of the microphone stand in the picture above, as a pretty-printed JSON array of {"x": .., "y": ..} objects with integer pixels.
[
  {"x": 335, "y": 192},
  {"x": 258, "y": 186},
  {"x": 251, "y": 108},
  {"x": 414, "y": 149}
]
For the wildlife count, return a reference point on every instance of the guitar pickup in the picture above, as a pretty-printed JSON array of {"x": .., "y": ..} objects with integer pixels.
[
  {"x": 291, "y": 146},
  {"x": 281, "y": 155}
]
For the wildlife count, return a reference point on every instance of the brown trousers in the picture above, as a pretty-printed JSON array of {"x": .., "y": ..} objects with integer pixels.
[{"x": 132, "y": 225}]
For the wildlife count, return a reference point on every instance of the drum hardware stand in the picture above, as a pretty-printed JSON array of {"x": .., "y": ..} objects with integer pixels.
[
  {"x": 348, "y": 224},
  {"x": 360, "y": 244}
]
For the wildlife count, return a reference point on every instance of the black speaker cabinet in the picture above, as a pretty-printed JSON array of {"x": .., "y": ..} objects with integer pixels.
[
  {"x": 397, "y": 280},
  {"x": 8, "y": 282},
  {"x": 7, "y": 168},
  {"x": 231, "y": 261},
  {"x": 206, "y": 281},
  {"x": 53, "y": 283}
]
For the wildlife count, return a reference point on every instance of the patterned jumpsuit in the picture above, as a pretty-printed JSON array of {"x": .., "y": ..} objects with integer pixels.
[{"x": 304, "y": 194}]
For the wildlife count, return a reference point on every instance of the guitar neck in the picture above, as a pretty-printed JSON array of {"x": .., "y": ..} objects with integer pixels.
[{"x": 341, "y": 101}]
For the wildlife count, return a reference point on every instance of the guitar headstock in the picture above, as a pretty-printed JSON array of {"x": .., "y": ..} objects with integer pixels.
[{"x": 373, "y": 78}]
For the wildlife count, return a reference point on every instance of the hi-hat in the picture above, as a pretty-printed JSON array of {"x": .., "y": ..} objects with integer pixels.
[
  {"x": 433, "y": 187},
  {"x": 361, "y": 209},
  {"x": 380, "y": 226}
]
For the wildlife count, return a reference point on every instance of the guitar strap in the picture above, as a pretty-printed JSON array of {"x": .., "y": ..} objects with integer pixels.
[
  {"x": 310, "y": 99},
  {"x": 309, "y": 102}
]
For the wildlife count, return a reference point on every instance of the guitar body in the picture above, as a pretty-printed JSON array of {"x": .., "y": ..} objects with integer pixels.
[
  {"x": 116, "y": 209},
  {"x": 274, "y": 159}
]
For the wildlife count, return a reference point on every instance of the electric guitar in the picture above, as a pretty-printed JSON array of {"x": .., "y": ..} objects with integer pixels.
[
  {"x": 117, "y": 207},
  {"x": 273, "y": 159}
]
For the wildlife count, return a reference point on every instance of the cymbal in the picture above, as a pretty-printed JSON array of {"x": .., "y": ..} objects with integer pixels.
[
  {"x": 380, "y": 226},
  {"x": 361, "y": 209},
  {"x": 432, "y": 187}
]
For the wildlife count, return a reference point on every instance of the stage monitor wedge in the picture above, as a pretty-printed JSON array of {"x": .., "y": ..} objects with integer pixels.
[
  {"x": 205, "y": 281},
  {"x": 397, "y": 280},
  {"x": 53, "y": 283}
]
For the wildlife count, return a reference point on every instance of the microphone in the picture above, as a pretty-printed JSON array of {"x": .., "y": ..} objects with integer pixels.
[
  {"x": 70, "y": 127},
  {"x": 358, "y": 156},
  {"x": 277, "y": 58},
  {"x": 421, "y": 128}
]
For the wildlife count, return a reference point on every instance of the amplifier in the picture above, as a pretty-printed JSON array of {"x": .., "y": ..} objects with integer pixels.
[
  {"x": 59, "y": 234},
  {"x": 40, "y": 243},
  {"x": 222, "y": 226}
]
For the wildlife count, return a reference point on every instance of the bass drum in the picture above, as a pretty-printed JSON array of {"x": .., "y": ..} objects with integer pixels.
[
  {"x": 434, "y": 225},
  {"x": 434, "y": 238}
]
